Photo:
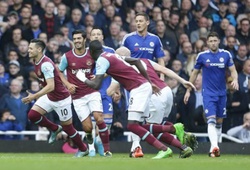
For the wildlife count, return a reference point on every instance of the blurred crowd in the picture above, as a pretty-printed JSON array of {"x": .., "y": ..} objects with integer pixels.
[{"x": 181, "y": 25}]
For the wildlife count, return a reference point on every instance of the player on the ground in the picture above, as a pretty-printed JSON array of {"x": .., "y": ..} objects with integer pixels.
[
  {"x": 53, "y": 96},
  {"x": 214, "y": 63},
  {"x": 86, "y": 100}
]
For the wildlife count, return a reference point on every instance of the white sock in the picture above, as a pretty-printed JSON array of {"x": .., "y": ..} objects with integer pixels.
[
  {"x": 212, "y": 134},
  {"x": 91, "y": 147},
  {"x": 136, "y": 141},
  {"x": 98, "y": 139},
  {"x": 219, "y": 131}
]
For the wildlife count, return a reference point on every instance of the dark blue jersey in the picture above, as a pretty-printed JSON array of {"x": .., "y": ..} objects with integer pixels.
[{"x": 214, "y": 66}]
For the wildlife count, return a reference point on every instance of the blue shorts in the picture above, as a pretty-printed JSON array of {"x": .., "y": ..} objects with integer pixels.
[
  {"x": 107, "y": 105},
  {"x": 215, "y": 106}
]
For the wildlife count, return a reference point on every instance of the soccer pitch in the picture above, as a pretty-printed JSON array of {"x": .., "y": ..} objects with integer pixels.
[{"x": 60, "y": 161}]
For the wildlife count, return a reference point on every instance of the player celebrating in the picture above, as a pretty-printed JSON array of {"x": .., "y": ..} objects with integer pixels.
[
  {"x": 53, "y": 96},
  {"x": 86, "y": 100},
  {"x": 214, "y": 63},
  {"x": 96, "y": 34},
  {"x": 139, "y": 87},
  {"x": 160, "y": 107}
]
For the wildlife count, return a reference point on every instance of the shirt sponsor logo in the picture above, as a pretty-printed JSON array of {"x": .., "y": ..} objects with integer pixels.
[
  {"x": 219, "y": 65},
  {"x": 149, "y": 50},
  {"x": 83, "y": 70}
]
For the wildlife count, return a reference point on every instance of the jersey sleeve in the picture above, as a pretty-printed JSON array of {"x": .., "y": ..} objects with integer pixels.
[
  {"x": 63, "y": 64},
  {"x": 48, "y": 70},
  {"x": 230, "y": 61},
  {"x": 124, "y": 41},
  {"x": 198, "y": 63},
  {"x": 158, "y": 48},
  {"x": 102, "y": 65}
]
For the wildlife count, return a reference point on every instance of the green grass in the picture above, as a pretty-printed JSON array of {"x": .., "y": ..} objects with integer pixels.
[{"x": 60, "y": 161}]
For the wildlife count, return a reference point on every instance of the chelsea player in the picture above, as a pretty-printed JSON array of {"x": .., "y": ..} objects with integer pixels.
[{"x": 214, "y": 63}]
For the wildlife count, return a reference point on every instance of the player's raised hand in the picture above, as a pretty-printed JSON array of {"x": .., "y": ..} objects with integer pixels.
[{"x": 29, "y": 98}]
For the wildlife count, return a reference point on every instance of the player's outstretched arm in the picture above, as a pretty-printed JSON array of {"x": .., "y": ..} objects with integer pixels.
[
  {"x": 138, "y": 64},
  {"x": 94, "y": 83},
  {"x": 173, "y": 75}
]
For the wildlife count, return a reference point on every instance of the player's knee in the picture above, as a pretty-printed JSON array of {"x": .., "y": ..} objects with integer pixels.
[
  {"x": 211, "y": 121},
  {"x": 99, "y": 119},
  {"x": 87, "y": 129},
  {"x": 219, "y": 121}
]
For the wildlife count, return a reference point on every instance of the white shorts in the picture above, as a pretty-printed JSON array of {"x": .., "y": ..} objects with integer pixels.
[
  {"x": 139, "y": 102},
  {"x": 88, "y": 104},
  {"x": 160, "y": 106},
  {"x": 62, "y": 107}
]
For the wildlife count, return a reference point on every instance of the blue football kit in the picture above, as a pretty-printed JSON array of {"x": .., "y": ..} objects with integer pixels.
[
  {"x": 214, "y": 67},
  {"x": 149, "y": 47}
]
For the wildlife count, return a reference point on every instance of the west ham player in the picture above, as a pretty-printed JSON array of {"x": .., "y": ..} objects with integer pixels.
[
  {"x": 214, "y": 63},
  {"x": 143, "y": 44},
  {"x": 160, "y": 107},
  {"x": 139, "y": 87},
  {"x": 53, "y": 96},
  {"x": 96, "y": 34},
  {"x": 86, "y": 100}
]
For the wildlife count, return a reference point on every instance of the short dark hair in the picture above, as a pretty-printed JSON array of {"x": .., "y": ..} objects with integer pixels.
[
  {"x": 95, "y": 45},
  {"x": 143, "y": 14},
  {"x": 213, "y": 34},
  {"x": 84, "y": 35},
  {"x": 96, "y": 28},
  {"x": 38, "y": 43}
]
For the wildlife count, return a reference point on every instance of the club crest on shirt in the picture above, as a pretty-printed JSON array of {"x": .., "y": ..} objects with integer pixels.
[
  {"x": 73, "y": 64},
  {"x": 152, "y": 44},
  {"x": 89, "y": 62},
  {"x": 221, "y": 59}
]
